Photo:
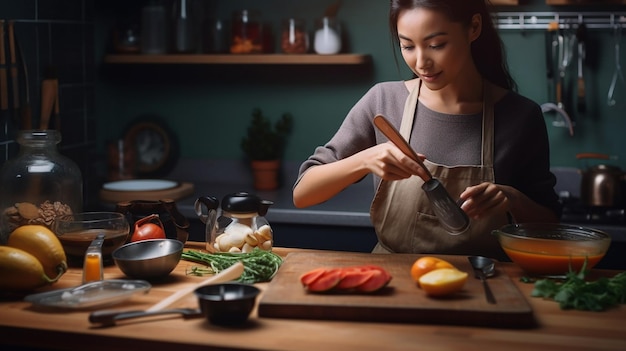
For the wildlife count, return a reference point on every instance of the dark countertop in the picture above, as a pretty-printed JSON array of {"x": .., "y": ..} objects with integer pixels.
[{"x": 349, "y": 208}]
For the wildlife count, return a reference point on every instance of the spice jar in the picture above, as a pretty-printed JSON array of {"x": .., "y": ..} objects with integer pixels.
[
  {"x": 39, "y": 184},
  {"x": 247, "y": 36},
  {"x": 327, "y": 36},
  {"x": 294, "y": 38}
]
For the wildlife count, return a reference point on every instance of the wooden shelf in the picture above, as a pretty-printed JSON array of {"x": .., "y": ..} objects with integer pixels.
[
  {"x": 247, "y": 59},
  {"x": 505, "y": 2}
]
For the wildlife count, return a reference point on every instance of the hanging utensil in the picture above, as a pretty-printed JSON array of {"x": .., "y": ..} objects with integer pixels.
[
  {"x": 4, "y": 84},
  {"x": 25, "y": 108},
  {"x": 15, "y": 88},
  {"x": 561, "y": 68},
  {"x": 450, "y": 214},
  {"x": 581, "y": 36},
  {"x": 551, "y": 44},
  {"x": 617, "y": 35},
  {"x": 49, "y": 97}
]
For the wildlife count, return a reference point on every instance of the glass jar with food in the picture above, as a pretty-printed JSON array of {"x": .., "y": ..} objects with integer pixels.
[
  {"x": 294, "y": 38},
  {"x": 39, "y": 184},
  {"x": 247, "y": 36}
]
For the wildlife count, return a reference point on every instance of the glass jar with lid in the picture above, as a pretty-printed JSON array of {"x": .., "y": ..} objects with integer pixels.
[
  {"x": 247, "y": 36},
  {"x": 294, "y": 38},
  {"x": 39, "y": 184}
]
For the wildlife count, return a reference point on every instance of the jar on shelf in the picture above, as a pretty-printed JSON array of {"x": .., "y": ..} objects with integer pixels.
[
  {"x": 294, "y": 38},
  {"x": 247, "y": 36},
  {"x": 327, "y": 39},
  {"x": 154, "y": 28},
  {"x": 39, "y": 184}
]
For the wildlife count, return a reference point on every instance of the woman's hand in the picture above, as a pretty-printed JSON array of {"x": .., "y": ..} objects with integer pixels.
[
  {"x": 389, "y": 163},
  {"x": 485, "y": 198}
]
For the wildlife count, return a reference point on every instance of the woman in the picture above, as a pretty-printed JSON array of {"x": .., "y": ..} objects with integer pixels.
[{"x": 487, "y": 144}]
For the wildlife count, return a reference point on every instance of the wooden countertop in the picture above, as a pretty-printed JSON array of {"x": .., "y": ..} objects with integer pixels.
[{"x": 21, "y": 324}]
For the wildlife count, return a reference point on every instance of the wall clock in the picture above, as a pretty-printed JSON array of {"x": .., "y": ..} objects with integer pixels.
[{"x": 155, "y": 146}]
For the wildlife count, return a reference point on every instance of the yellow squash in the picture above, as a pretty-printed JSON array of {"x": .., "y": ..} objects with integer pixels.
[
  {"x": 41, "y": 242},
  {"x": 20, "y": 271}
]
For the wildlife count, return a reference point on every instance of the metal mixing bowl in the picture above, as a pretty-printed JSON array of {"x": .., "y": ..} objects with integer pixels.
[
  {"x": 146, "y": 259},
  {"x": 228, "y": 303},
  {"x": 550, "y": 248}
]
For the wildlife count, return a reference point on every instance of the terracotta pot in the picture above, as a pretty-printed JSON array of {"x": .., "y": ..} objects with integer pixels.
[{"x": 265, "y": 174}]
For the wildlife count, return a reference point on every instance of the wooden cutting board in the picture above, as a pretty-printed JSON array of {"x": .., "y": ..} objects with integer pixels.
[
  {"x": 176, "y": 193},
  {"x": 400, "y": 301}
]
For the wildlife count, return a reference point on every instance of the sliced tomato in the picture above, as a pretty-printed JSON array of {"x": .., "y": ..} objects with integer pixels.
[
  {"x": 377, "y": 281},
  {"x": 379, "y": 268},
  {"x": 309, "y": 277},
  {"x": 329, "y": 280},
  {"x": 353, "y": 278}
]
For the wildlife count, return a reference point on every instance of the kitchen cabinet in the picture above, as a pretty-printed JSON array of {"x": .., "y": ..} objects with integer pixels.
[{"x": 247, "y": 59}]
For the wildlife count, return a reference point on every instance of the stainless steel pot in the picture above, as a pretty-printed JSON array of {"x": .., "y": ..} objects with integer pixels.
[{"x": 602, "y": 185}]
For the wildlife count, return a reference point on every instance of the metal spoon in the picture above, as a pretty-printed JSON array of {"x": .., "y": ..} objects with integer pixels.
[{"x": 483, "y": 268}]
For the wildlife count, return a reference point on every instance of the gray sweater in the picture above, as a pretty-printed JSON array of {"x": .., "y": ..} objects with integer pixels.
[{"x": 522, "y": 151}]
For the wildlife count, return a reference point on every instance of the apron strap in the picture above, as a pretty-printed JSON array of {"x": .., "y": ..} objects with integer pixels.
[
  {"x": 488, "y": 126},
  {"x": 408, "y": 116}
]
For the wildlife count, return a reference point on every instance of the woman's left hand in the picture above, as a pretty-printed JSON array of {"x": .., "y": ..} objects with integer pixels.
[{"x": 483, "y": 199}]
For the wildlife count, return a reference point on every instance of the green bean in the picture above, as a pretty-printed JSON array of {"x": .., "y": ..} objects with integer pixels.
[{"x": 259, "y": 265}]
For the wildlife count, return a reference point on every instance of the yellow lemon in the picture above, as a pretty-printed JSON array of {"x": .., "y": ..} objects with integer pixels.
[{"x": 443, "y": 281}]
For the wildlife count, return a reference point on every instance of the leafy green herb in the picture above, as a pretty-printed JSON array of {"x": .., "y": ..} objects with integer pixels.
[
  {"x": 577, "y": 293},
  {"x": 259, "y": 265}
]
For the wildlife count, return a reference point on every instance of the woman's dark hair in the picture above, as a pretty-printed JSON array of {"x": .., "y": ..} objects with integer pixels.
[{"x": 487, "y": 50}]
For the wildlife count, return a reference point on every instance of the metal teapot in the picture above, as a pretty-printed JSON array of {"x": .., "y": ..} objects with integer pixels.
[
  {"x": 240, "y": 227},
  {"x": 602, "y": 185}
]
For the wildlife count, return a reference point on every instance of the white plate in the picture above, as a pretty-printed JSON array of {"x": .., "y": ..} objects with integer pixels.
[
  {"x": 99, "y": 293},
  {"x": 140, "y": 185}
]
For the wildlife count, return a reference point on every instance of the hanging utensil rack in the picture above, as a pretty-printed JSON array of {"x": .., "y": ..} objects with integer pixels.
[{"x": 541, "y": 20}]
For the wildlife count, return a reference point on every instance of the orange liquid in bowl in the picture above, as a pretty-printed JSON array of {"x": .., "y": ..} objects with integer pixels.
[{"x": 550, "y": 264}]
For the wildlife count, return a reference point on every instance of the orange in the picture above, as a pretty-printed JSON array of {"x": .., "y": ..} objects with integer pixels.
[
  {"x": 426, "y": 264},
  {"x": 443, "y": 281}
]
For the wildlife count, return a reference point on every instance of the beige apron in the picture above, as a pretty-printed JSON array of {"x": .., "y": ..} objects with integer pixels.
[{"x": 402, "y": 214}]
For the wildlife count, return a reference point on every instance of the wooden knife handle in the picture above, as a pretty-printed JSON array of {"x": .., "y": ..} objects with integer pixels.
[{"x": 394, "y": 136}]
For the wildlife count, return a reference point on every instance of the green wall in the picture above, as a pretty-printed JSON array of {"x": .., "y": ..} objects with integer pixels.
[{"x": 208, "y": 107}]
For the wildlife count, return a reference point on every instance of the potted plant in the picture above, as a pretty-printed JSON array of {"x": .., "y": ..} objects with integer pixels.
[{"x": 264, "y": 145}]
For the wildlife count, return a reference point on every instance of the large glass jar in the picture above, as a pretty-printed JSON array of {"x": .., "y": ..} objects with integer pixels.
[
  {"x": 247, "y": 36},
  {"x": 39, "y": 184}
]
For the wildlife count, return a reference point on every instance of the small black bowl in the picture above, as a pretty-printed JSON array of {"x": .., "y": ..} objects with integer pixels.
[{"x": 228, "y": 303}]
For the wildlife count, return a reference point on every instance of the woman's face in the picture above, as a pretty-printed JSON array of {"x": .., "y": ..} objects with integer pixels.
[{"x": 434, "y": 48}]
